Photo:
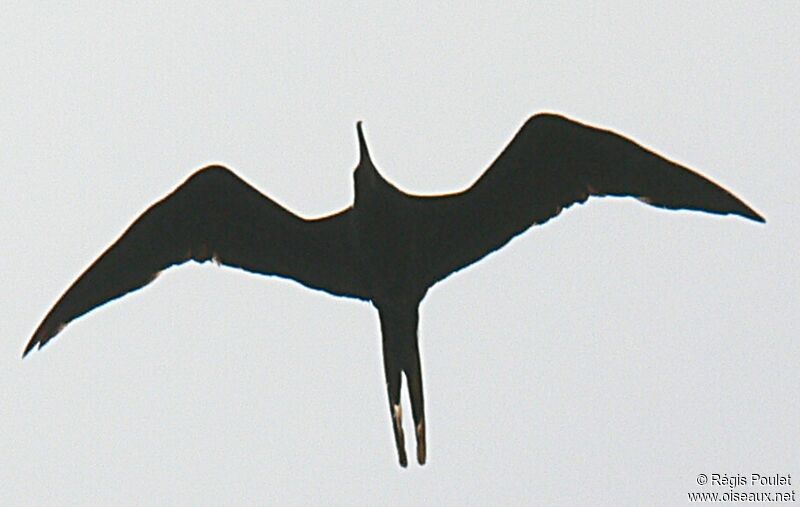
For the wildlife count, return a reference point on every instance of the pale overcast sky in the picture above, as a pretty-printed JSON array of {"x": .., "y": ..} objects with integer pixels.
[{"x": 645, "y": 346}]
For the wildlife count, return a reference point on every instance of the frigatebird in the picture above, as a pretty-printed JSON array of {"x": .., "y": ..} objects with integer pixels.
[{"x": 388, "y": 247}]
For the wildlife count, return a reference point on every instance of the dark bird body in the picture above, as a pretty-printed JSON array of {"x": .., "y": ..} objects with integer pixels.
[{"x": 389, "y": 247}]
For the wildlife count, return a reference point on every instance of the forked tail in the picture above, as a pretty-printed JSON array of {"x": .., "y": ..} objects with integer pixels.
[{"x": 401, "y": 355}]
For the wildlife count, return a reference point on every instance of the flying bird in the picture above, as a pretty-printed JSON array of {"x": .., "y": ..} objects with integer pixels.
[{"x": 388, "y": 247}]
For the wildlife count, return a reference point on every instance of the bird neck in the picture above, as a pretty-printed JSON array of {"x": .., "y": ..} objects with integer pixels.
[{"x": 370, "y": 185}]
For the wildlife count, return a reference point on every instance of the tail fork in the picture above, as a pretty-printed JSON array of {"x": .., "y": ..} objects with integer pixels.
[{"x": 401, "y": 356}]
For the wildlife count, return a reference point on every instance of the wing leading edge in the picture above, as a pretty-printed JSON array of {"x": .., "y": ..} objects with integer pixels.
[
  {"x": 552, "y": 163},
  {"x": 213, "y": 214}
]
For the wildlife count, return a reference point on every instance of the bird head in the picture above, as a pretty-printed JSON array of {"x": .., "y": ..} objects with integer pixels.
[
  {"x": 365, "y": 160},
  {"x": 367, "y": 180}
]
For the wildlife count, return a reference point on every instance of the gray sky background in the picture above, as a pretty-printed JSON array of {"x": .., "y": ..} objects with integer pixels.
[{"x": 607, "y": 357}]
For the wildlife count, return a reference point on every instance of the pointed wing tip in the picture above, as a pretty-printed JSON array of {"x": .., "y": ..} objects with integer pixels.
[
  {"x": 37, "y": 342},
  {"x": 31, "y": 345},
  {"x": 750, "y": 214},
  {"x": 41, "y": 336},
  {"x": 746, "y": 213}
]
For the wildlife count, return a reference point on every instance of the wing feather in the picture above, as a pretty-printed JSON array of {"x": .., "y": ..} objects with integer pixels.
[
  {"x": 552, "y": 163},
  {"x": 213, "y": 214}
]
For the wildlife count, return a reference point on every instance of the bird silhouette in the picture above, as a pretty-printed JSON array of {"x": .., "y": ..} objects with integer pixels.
[{"x": 388, "y": 247}]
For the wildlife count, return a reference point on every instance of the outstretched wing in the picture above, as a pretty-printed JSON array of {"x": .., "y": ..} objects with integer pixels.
[
  {"x": 552, "y": 163},
  {"x": 213, "y": 214}
]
